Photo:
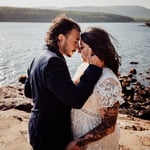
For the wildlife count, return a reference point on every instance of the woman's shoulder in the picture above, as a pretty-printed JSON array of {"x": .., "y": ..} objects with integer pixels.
[
  {"x": 109, "y": 87},
  {"x": 108, "y": 78},
  {"x": 108, "y": 74},
  {"x": 80, "y": 71}
]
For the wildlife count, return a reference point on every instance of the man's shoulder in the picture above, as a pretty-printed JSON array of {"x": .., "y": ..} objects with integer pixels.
[{"x": 50, "y": 52}]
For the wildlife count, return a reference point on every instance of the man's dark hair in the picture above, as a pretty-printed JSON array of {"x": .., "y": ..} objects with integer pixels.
[{"x": 60, "y": 25}]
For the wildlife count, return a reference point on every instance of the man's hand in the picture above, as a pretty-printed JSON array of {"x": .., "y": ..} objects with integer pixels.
[
  {"x": 94, "y": 60},
  {"x": 72, "y": 146}
]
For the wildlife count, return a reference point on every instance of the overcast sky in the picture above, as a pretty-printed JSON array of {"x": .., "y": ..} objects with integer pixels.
[{"x": 66, "y": 3}]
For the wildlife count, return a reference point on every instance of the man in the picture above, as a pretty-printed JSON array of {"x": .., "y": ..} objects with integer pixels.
[{"x": 50, "y": 86}]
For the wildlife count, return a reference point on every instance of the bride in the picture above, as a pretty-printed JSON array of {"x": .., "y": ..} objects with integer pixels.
[{"x": 94, "y": 126}]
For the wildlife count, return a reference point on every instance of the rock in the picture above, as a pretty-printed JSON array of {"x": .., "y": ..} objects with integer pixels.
[
  {"x": 134, "y": 62},
  {"x": 13, "y": 97},
  {"x": 136, "y": 96},
  {"x": 24, "y": 107},
  {"x": 22, "y": 79},
  {"x": 135, "y": 132},
  {"x": 133, "y": 71}
]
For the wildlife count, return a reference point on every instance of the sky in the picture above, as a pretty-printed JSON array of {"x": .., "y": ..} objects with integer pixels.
[{"x": 66, "y": 3}]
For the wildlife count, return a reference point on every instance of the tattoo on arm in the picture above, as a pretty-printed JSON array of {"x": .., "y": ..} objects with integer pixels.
[{"x": 107, "y": 126}]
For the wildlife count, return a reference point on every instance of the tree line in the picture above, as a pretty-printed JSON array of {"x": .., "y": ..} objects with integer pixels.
[{"x": 15, "y": 14}]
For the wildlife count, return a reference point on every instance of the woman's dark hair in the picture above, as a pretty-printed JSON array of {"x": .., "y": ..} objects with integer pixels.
[
  {"x": 60, "y": 25},
  {"x": 100, "y": 42}
]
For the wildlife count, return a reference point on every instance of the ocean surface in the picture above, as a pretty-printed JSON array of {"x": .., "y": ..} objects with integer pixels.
[{"x": 21, "y": 42}]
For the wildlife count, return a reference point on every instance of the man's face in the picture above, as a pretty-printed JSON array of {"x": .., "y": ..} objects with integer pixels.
[{"x": 69, "y": 43}]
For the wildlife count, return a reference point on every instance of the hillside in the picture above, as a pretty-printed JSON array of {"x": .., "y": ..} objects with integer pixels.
[
  {"x": 136, "y": 12},
  {"x": 13, "y": 14}
]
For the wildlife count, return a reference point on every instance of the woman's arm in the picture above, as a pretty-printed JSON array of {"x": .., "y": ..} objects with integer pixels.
[
  {"x": 107, "y": 126},
  {"x": 79, "y": 72},
  {"x": 108, "y": 98}
]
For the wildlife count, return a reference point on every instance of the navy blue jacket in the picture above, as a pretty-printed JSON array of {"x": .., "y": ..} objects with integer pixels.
[{"x": 50, "y": 86}]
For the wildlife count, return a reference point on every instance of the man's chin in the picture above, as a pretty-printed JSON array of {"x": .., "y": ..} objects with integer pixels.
[{"x": 70, "y": 55}]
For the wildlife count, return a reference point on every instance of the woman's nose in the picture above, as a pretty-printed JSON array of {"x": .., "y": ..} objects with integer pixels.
[{"x": 79, "y": 50}]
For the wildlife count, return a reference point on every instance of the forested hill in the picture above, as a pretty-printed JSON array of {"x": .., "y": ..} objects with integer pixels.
[
  {"x": 14, "y": 14},
  {"x": 136, "y": 12}
]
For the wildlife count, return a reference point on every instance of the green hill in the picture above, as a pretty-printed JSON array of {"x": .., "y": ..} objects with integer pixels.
[
  {"x": 136, "y": 12},
  {"x": 14, "y": 14}
]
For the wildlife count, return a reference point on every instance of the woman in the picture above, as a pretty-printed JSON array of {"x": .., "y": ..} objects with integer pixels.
[{"x": 94, "y": 125}]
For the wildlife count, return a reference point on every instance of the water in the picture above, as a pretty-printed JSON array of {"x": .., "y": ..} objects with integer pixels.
[{"x": 20, "y": 42}]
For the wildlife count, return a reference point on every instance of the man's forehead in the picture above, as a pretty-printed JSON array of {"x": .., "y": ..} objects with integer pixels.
[{"x": 74, "y": 34}]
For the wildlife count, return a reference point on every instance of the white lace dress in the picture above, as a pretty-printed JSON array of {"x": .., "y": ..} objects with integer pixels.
[{"x": 106, "y": 93}]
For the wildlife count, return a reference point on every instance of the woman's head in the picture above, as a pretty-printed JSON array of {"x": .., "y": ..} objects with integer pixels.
[{"x": 99, "y": 41}]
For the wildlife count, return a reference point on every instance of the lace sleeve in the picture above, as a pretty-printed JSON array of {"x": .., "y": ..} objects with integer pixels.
[
  {"x": 79, "y": 72},
  {"x": 108, "y": 93}
]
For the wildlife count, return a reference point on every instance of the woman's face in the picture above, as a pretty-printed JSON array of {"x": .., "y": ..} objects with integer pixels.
[{"x": 84, "y": 51}]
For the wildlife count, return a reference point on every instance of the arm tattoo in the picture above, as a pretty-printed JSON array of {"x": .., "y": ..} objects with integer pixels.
[{"x": 107, "y": 126}]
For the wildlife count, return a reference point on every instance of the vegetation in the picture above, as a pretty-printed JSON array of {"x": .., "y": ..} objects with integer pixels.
[
  {"x": 13, "y": 14},
  {"x": 136, "y": 12}
]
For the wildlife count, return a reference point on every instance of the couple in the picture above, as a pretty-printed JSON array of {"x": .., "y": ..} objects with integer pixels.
[{"x": 80, "y": 113}]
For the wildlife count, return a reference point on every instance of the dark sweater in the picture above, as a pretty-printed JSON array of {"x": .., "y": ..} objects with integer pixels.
[{"x": 50, "y": 86}]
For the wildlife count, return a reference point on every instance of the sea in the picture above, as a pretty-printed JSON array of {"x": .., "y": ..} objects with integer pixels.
[{"x": 20, "y": 42}]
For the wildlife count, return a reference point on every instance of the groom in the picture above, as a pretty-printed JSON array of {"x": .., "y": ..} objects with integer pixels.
[{"x": 50, "y": 86}]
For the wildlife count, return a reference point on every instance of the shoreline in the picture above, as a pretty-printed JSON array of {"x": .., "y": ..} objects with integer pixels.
[
  {"x": 135, "y": 94},
  {"x": 133, "y": 118},
  {"x": 15, "y": 112}
]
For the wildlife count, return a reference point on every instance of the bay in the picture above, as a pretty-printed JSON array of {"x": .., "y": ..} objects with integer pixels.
[{"x": 21, "y": 42}]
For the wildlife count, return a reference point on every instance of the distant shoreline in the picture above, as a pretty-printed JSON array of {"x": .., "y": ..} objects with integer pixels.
[{"x": 47, "y": 15}]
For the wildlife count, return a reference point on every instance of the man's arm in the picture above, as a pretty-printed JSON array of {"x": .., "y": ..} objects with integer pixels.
[
  {"x": 27, "y": 87},
  {"x": 58, "y": 81}
]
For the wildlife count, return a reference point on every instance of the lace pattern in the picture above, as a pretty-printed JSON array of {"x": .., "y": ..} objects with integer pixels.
[
  {"x": 83, "y": 121},
  {"x": 106, "y": 92}
]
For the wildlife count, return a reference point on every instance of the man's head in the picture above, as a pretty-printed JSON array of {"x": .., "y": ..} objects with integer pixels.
[{"x": 64, "y": 34}]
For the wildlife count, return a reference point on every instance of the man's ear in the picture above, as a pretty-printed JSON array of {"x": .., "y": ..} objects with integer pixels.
[{"x": 61, "y": 37}]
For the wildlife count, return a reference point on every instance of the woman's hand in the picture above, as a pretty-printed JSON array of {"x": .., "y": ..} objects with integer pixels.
[{"x": 72, "y": 146}]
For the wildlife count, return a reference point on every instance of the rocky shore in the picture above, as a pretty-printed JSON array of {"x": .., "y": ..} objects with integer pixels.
[
  {"x": 133, "y": 119},
  {"x": 136, "y": 94}
]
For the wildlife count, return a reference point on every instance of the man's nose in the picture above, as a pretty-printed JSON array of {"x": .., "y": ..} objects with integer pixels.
[{"x": 79, "y": 48}]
